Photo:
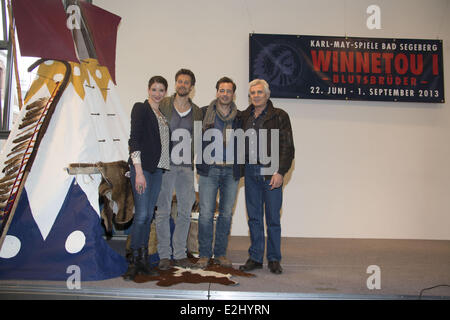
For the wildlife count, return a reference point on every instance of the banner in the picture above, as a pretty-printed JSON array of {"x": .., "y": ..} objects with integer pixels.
[{"x": 349, "y": 68}]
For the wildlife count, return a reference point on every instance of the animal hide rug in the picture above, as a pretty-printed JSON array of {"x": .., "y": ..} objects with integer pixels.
[{"x": 212, "y": 274}]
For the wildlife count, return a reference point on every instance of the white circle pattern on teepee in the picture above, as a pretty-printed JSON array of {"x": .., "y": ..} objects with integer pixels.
[
  {"x": 10, "y": 248},
  {"x": 75, "y": 242}
]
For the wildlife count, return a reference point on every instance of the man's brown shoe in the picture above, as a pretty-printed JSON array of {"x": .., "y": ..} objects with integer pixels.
[
  {"x": 202, "y": 263},
  {"x": 184, "y": 263},
  {"x": 250, "y": 265},
  {"x": 164, "y": 264},
  {"x": 275, "y": 267},
  {"x": 223, "y": 261}
]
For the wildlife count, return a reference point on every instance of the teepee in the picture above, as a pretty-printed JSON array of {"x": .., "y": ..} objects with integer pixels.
[{"x": 71, "y": 126}]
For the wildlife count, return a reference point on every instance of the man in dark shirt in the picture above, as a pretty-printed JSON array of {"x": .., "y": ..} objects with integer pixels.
[{"x": 263, "y": 184}]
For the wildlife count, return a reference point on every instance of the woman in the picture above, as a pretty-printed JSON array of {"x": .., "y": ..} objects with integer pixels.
[{"x": 149, "y": 156}]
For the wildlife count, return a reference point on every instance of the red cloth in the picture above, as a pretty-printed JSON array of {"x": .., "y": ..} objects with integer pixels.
[
  {"x": 42, "y": 31},
  {"x": 103, "y": 27}
]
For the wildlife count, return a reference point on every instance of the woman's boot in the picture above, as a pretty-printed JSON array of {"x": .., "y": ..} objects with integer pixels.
[
  {"x": 143, "y": 264},
  {"x": 132, "y": 266}
]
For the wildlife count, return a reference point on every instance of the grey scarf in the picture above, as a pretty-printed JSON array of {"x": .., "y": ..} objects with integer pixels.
[{"x": 210, "y": 117}]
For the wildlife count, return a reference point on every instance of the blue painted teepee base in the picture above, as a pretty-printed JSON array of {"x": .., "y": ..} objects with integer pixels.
[{"x": 48, "y": 259}]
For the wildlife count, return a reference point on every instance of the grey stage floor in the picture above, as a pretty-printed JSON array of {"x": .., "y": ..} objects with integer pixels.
[{"x": 313, "y": 269}]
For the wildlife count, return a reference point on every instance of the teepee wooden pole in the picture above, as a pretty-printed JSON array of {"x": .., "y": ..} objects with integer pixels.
[{"x": 12, "y": 33}]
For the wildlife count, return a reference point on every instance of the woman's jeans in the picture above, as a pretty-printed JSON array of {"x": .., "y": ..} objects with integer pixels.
[
  {"x": 220, "y": 179},
  {"x": 258, "y": 197},
  {"x": 144, "y": 205}
]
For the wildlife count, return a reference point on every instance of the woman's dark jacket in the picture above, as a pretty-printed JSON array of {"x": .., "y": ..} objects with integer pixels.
[{"x": 144, "y": 136}]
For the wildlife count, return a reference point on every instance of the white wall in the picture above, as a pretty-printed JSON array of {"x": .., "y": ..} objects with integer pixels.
[{"x": 362, "y": 169}]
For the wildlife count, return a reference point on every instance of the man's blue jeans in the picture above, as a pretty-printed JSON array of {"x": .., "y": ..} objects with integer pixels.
[
  {"x": 144, "y": 205},
  {"x": 220, "y": 179},
  {"x": 258, "y": 197}
]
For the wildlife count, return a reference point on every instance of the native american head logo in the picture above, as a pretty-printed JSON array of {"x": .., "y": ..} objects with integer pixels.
[{"x": 279, "y": 64}]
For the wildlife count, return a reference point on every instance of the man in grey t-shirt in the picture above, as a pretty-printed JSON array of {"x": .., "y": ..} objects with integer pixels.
[{"x": 181, "y": 113}]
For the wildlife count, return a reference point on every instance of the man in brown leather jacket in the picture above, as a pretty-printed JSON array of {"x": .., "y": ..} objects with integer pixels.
[{"x": 263, "y": 180}]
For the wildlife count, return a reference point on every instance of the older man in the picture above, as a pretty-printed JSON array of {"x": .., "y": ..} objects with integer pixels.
[{"x": 263, "y": 185}]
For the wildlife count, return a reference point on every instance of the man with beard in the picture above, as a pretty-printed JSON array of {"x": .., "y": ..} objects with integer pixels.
[
  {"x": 181, "y": 113},
  {"x": 218, "y": 176}
]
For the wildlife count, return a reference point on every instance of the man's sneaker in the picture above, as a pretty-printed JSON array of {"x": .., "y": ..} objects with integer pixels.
[
  {"x": 164, "y": 264},
  {"x": 184, "y": 263},
  {"x": 223, "y": 261},
  {"x": 202, "y": 263}
]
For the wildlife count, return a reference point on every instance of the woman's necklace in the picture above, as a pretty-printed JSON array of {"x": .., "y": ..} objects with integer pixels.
[{"x": 156, "y": 109}]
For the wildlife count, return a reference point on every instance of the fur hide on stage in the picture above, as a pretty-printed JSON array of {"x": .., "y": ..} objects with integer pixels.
[{"x": 212, "y": 274}]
